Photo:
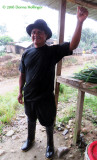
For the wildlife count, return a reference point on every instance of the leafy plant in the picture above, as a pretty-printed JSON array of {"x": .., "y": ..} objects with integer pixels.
[{"x": 87, "y": 75}]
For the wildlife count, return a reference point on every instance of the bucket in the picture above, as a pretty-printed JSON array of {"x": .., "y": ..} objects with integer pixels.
[{"x": 91, "y": 151}]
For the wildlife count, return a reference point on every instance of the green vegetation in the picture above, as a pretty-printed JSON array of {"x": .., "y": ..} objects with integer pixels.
[
  {"x": 8, "y": 107},
  {"x": 2, "y": 53},
  {"x": 67, "y": 61},
  {"x": 69, "y": 114},
  {"x": 5, "y": 40},
  {"x": 3, "y": 29},
  {"x": 88, "y": 37},
  {"x": 66, "y": 92},
  {"x": 66, "y": 95},
  {"x": 69, "y": 95},
  {"x": 25, "y": 38},
  {"x": 87, "y": 75},
  {"x": 90, "y": 102}
]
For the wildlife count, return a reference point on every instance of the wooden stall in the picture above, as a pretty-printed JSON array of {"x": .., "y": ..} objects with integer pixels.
[
  {"x": 70, "y": 6},
  {"x": 82, "y": 88}
]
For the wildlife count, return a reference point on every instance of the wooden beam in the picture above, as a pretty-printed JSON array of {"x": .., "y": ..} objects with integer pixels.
[
  {"x": 78, "y": 117},
  {"x": 78, "y": 84},
  {"x": 62, "y": 12},
  {"x": 61, "y": 30},
  {"x": 84, "y": 3}
]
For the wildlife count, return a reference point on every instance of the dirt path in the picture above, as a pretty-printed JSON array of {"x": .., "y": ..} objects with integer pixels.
[
  {"x": 8, "y": 85},
  {"x": 11, "y": 145}
]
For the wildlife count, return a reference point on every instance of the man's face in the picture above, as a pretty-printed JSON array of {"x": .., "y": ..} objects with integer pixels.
[{"x": 38, "y": 37}]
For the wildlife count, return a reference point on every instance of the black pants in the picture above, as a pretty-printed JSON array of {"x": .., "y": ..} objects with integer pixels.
[{"x": 44, "y": 110}]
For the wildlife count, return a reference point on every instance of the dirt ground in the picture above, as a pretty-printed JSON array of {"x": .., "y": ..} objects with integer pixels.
[{"x": 10, "y": 145}]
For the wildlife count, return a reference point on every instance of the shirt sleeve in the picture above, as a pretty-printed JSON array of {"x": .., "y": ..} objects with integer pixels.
[
  {"x": 22, "y": 66},
  {"x": 61, "y": 51}
]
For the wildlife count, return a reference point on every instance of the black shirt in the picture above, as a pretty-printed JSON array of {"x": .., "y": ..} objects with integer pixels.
[{"x": 38, "y": 64}]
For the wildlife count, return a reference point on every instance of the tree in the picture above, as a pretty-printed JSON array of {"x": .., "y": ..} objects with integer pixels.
[
  {"x": 5, "y": 40},
  {"x": 88, "y": 37},
  {"x": 25, "y": 38},
  {"x": 3, "y": 29}
]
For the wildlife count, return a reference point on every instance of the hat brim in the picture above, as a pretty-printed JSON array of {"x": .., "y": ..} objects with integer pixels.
[{"x": 46, "y": 29}]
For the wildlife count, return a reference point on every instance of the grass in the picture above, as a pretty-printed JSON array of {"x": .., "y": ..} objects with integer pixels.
[
  {"x": 66, "y": 92},
  {"x": 90, "y": 102},
  {"x": 69, "y": 114},
  {"x": 8, "y": 107},
  {"x": 69, "y": 95},
  {"x": 2, "y": 53},
  {"x": 69, "y": 61}
]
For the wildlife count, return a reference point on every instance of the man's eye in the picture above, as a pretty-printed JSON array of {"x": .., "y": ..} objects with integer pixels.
[
  {"x": 33, "y": 32},
  {"x": 39, "y": 32}
]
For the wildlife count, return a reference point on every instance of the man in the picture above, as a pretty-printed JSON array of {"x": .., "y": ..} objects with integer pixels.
[{"x": 37, "y": 71}]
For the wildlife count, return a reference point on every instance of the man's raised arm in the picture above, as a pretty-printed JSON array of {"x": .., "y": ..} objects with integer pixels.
[{"x": 82, "y": 14}]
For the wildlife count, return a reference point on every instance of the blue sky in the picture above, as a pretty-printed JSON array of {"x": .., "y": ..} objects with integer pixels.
[{"x": 16, "y": 19}]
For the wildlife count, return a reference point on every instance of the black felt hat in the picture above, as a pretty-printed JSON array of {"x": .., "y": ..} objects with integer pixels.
[{"x": 39, "y": 24}]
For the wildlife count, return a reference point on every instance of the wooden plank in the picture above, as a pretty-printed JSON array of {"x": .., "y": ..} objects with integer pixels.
[
  {"x": 60, "y": 39},
  {"x": 79, "y": 84},
  {"x": 78, "y": 117},
  {"x": 84, "y": 3},
  {"x": 69, "y": 81}
]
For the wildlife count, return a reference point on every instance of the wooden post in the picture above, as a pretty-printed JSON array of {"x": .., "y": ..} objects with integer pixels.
[
  {"x": 78, "y": 117},
  {"x": 61, "y": 39}
]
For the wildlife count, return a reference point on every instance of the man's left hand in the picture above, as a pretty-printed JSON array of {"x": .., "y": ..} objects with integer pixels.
[{"x": 82, "y": 14}]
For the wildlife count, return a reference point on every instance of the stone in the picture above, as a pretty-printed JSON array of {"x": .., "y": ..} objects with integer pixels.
[
  {"x": 10, "y": 133},
  {"x": 12, "y": 151},
  {"x": 71, "y": 136},
  {"x": 66, "y": 138},
  {"x": 82, "y": 135},
  {"x": 61, "y": 151},
  {"x": 43, "y": 129},
  {"x": 60, "y": 128},
  {"x": 65, "y": 132},
  {"x": 68, "y": 126},
  {"x": 22, "y": 116},
  {"x": 84, "y": 130},
  {"x": 71, "y": 156},
  {"x": 15, "y": 137},
  {"x": 1, "y": 152},
  {"x": 70, "y": 130},
  {"x": 70, "y": 122}
]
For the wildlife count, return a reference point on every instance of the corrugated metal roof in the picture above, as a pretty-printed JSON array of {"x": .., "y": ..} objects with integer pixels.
[{"x": 91, "y": 5}]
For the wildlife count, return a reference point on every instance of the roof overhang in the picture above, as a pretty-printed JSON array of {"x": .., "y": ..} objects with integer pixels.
[{"x": 71, "y": 6}]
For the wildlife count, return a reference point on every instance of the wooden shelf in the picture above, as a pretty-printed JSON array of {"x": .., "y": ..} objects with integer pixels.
[{"x": 79, "y": 84}]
